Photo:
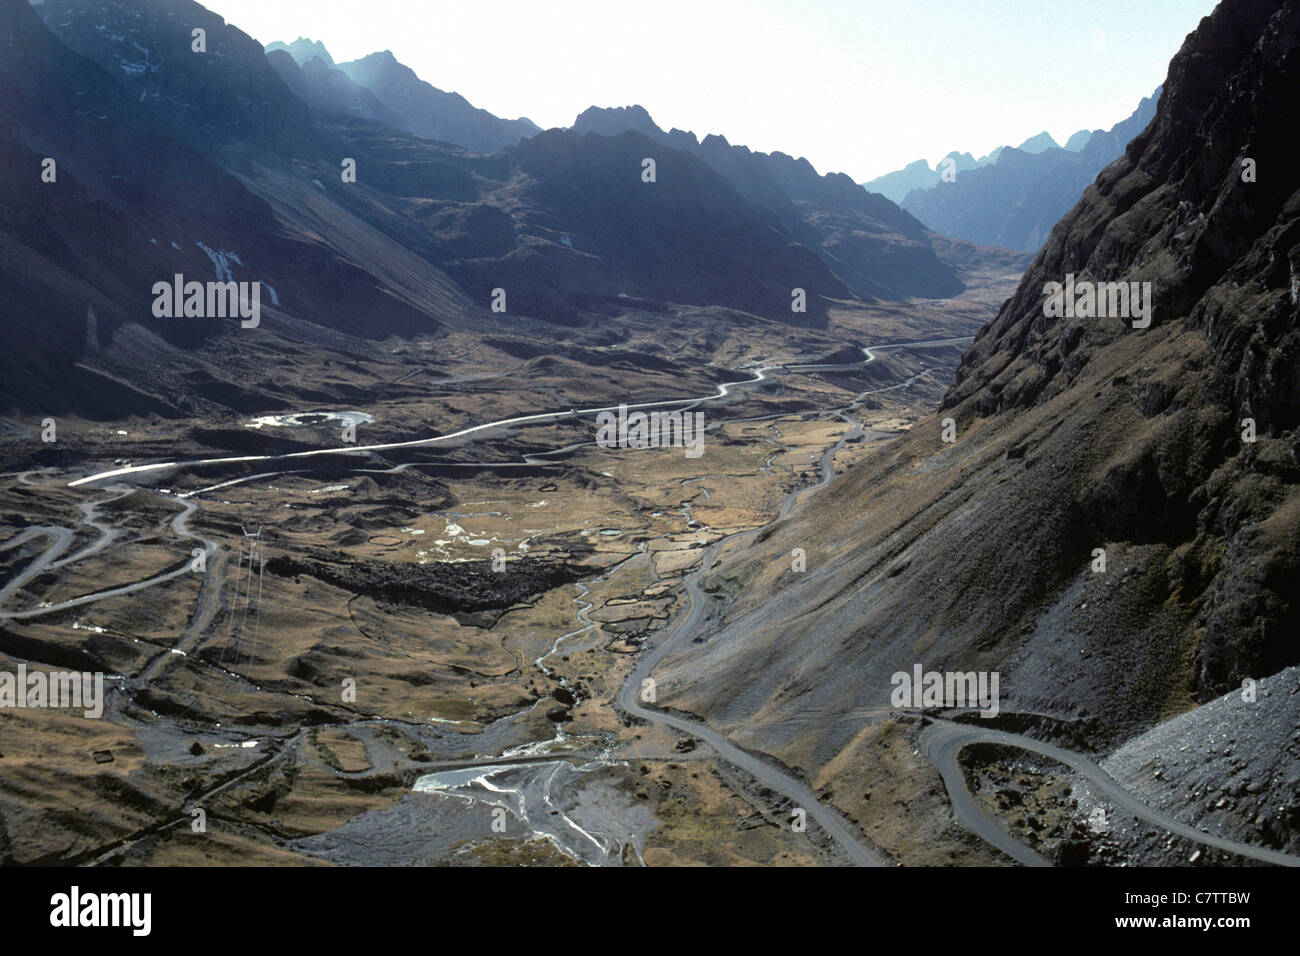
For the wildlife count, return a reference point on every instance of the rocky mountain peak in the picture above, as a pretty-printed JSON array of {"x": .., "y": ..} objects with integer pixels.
[{"x": 303, "y": 50}]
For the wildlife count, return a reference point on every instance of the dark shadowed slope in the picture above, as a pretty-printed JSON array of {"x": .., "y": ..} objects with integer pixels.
[
  {"x": 209, "y": 164},
  {"x": 873, "y": 246}
]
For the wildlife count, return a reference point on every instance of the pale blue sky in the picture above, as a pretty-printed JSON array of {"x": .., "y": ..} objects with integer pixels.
[{"x": 856, "y": 86}]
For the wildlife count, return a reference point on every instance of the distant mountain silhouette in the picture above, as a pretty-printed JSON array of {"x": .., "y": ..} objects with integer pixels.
[
  {"x": 918, "y": 175},
  {"x": 871, "y": 244},
  {"x": 1015, "y": 200},
  {"x": 303, "y": 50},
  {"x": 421, "y": 108},
  {"x": 327, "y": 90},
  {"x": 1039, "y": 143},
  {"x": 895, "y": 185},
  {"x": 1077, "y": 140},
  {"x": 379, "y": 87}
]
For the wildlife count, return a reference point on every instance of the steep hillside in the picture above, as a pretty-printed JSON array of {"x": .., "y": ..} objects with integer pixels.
[
  {"x": 211, "y": 164},
  {"x": 687, "y": 236},
  {"x": 1072, "y": 434},
  {"x": 876, "y": 248},
  {"x": 227, "y": 92},
  {"x": 327, "y": 90},
  {"x": 131, "y": 204},
  {"x": 379, "y": 87}
]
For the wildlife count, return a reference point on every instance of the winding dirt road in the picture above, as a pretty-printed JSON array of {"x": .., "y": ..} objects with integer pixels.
[
  {"x": 943, "y": 740},
  {"x": 61, "y": 538},
  {"x": 723, "y": 391}
]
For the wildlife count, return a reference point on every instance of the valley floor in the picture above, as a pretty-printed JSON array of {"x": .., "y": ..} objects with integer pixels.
[
  {"x": 296, "y": 692},
  {"x": 442, "y": 651}
]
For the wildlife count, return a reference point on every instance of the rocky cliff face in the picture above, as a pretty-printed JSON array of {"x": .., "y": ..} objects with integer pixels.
[
  {"x": 1072, "y": 435},
  {"x": 1222, "y": 255}
]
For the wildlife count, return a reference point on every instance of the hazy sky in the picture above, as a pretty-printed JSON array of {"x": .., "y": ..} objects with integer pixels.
[{"x": 856, "y": 86}]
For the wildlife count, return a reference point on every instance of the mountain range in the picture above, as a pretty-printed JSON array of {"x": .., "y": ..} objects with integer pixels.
[
  {"x": 227, "y": 163},
  {"x": 895, "y": 185},
  {"x": 1014, "y": 199},
  {"x": 378, "y": 87},
  {"x": 877, "y": 248}
]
